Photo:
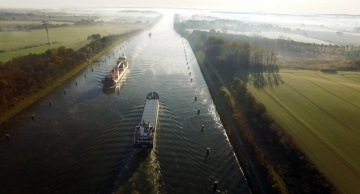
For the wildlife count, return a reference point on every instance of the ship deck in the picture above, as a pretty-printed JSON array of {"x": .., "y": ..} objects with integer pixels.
[{"x": 150, "y": 112}]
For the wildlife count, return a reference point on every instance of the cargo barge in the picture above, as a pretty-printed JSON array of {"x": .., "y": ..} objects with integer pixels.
[
  {"x": 144, "y": 133},
  {"x": 117, "y": 72}
]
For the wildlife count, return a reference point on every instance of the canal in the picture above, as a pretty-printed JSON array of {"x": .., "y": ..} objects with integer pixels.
[{"x": 83, "y": 142}]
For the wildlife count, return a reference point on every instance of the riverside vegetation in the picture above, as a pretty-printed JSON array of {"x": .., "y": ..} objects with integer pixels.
[
  {"x": 271, "y": 159},
  {"x": 27, "y": 77},
  {"x": 314, "y": 98}
]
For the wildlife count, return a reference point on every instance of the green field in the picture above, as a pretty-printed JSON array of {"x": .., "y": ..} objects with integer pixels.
[
  {"x": 322, "y": 113},
  {"x": 14, "y": 43}
]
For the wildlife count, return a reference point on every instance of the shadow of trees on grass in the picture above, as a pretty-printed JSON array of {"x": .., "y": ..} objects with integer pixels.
[{"x": 261, "y": 80}]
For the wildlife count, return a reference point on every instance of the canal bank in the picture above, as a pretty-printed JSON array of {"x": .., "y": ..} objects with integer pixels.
[
  {"x": 84, "y": 142},
  {"x": 27, "y": 101}
]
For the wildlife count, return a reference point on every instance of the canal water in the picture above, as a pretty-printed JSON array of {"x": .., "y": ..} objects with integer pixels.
[{"x": 83, "y": 142}]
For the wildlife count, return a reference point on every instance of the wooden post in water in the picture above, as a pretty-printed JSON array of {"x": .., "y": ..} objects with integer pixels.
[{"x": 215, "y": 185}]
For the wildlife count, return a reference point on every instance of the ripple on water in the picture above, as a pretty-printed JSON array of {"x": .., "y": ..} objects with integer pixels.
[{"x": 84, "y": 143}]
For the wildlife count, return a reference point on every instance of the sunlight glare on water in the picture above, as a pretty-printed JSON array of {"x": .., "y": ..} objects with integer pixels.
[{"x": 83, "y": 143}]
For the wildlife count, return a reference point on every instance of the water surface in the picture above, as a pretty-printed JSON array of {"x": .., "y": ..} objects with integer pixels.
[{"x": 83, "y": 142}]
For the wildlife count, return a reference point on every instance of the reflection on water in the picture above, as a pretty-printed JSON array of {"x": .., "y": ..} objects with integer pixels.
[
  {"x": 109, "y": 90},
  {"x": 116, "y": 89},
  {"x": 84, "y": 142}
]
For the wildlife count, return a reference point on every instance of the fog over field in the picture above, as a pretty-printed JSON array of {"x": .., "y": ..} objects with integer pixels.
[
  {"x": 308, "y": 28},
  {"x": 275, "y": 6},
  {"x": 274, "y": 87}
]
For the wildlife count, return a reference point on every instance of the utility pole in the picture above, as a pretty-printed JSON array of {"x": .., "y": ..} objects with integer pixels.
[{"x": 47, "y": 33}]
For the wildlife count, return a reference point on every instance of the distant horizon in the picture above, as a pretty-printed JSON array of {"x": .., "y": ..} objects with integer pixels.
[
  {"x": 164, "y": 8},
  {"x": 332, "y": 7}
]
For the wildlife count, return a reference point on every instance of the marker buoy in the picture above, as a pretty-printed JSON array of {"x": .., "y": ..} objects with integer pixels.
[
  {"x": 195, "y": 98},
  {"x": 202, "y": 128},
  {"x": 75, "y": 83},
  {"x": 50, "y": 104},
  {"x": 207, "y": 151},
  {"x": 64, "y": 92},
  {"x": 215, "y": 185},
  {"x": 198, "y": 111},
  {"x": 85, "y": 75},
  {"x": 7, "y": 137},
  {"x": 32, "y": 117},
  {"x": 191, "y": 80}
]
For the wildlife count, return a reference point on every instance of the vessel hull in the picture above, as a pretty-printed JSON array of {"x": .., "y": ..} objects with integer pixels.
[{"x": 144, "y": 133}]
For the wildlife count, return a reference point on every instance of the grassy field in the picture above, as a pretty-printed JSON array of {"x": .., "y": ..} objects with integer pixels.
[
  {"x": 321, "y": 111},
  {"x": 14, "y": 43},
  {"x": 29, "y": 100}
]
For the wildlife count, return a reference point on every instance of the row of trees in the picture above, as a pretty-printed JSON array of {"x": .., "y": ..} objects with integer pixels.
[
  {"x": 287, "y": 168},
  {"x": 280, "y": 45},
  {"x": 25, "y": 75},
  {"x": 309, "y": 55},
  {"x": 226, "y": 25},
  {"x": 22, "y": 76},
  {"x": 230, "y": 57},
  {"x": 351, "y": 66}
]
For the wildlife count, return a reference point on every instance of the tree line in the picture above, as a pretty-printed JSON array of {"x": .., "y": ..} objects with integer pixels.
[
  {"x": 281, "y": 46},
  {"x": 230, "y": 57},
  {"x": 25, "y": 75},
  {"x": 283, "y": 164}
]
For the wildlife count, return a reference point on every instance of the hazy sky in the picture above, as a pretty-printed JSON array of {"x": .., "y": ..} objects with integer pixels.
[{"x": 283, "y": 6}]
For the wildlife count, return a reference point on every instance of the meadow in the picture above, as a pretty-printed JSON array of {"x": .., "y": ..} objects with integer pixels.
[
  {"x": 18, "y": 43},
  {"x": 321, "y": 112}
]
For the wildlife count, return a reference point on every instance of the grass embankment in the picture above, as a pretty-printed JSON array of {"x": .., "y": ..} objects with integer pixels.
[
  {"x": 20, "y": 105},
  {"x": 271, "y": 161},
  {"x": 261, "y": 176},
  {"x": 321, "y": 112},
  {"x": 21, "y": 43},
  {"x": 273, "y": 153}
]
